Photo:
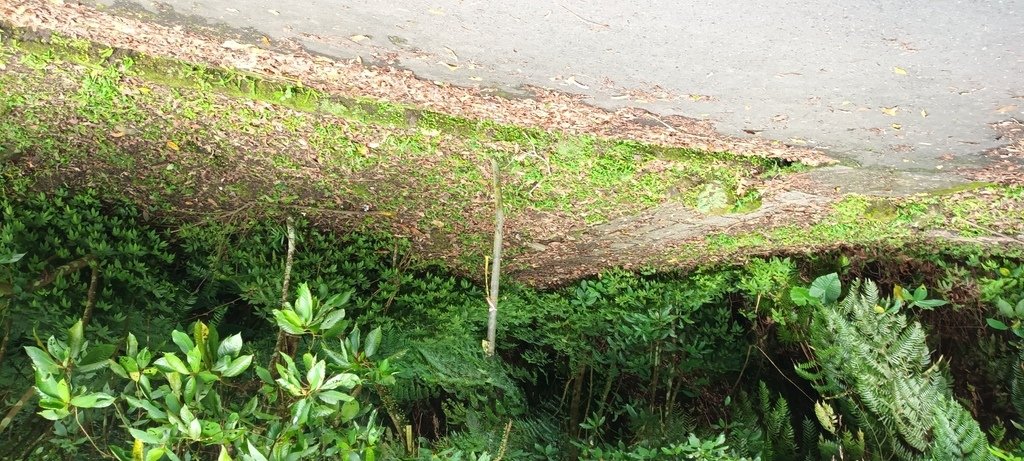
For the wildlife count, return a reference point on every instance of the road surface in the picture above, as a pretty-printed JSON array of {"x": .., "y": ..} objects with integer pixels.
[{"x": 908, "y": 86}]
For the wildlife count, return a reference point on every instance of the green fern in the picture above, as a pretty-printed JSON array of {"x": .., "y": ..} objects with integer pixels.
[
  {"x": 877, "y": 365},
  {"x": 1017, "y": 385}
]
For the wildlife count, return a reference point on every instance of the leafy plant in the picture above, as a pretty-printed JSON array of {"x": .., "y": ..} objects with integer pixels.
[
  {"x": 875, "y": 364},
  {"x": 190, "y": 405}
]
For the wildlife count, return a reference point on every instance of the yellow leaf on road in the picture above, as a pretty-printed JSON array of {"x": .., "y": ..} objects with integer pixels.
[
  {"x": 359, "y": 38},
  {"x": 899, "y": 71},
  {"x": 891, "y": 111},
  {"x": 896, "y": 126},
  {"x": 924, "y": 113}
]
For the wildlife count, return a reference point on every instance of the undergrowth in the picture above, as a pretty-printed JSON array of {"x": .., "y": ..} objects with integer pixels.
[{"x": 724, "y": 362}]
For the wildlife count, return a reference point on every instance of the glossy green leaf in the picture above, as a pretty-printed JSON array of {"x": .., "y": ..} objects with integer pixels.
[
  {"x": 47, "y": 385},
  {"x": 76, "y": 336},
  {"x": 171, "y": 363},
  {"x": 304, "y": 304},
  {"x": 332, "y": 319},
  {"x": 230, "y": 346},
  {"x": 254, "y": 453},
  {"x": 288, "y": 321},
  {"x": 63, "y": 391},
  {"x": 183, "y": 341},
  {"x": 826, "y": 288},
  {"x": 96, "y": 358},
  {"x": 42, "y": 361},
  {"x": 94, "y": 400},
  {"x": 144, "y": 436},
  {"x": 349, "y": 410},
  {"x": 264, "y": 375},
  {"x": 343, "y": 380},
  {"x": 372, "y": 342},
  {"x": 315, "y": 375},
  {"x": 54, "y": 415},
  {"x": 156, "y": 454},
  {"x": 997, "y": 324},
  {"x": 238, "y": 366},
  {"x": 11, "y": 258},
  {"x": 333, "y": 397},
  {"x": 195, "y": 429}
]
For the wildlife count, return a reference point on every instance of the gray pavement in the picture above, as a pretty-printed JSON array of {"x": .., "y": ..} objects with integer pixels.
[{"x": 906, "y": 86}]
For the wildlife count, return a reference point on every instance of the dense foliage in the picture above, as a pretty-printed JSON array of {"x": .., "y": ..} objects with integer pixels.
[{"x": 164, "y": 344}]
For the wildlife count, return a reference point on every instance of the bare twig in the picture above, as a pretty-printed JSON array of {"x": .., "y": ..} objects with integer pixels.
[
  {"x": 659, "y": 120},
  {"x": 90, "y": 298},
  {"x": 8, "y": 320},
  {"x": 582, "y": 18},
  {"x": 282, "y": 337},
  {"x": 9, "y": 417},
  {"x": 49, "y": 278},
  {"x": 978, "y": 226},
  {"x": 783, "y": 374},
  {"x": 492, "y": 299}
]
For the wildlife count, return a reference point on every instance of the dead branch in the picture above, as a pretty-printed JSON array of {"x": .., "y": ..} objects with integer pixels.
[
  {"x": 492, "y": 299},
  {"x": 282, "y": 337}
]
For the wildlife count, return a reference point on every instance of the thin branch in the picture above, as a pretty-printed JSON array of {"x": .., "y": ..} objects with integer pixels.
[
  {"x": 582, "y": 18},
  {"x": 492, "y": 300},
  {"x": 49, "y": 278},
  {"x": 282, "y": 337},
  {"x": 783, "y": 374},
  {"x": 978, "y": 226},
  {"x": 289, "y": 258},
  {"x": 9, "y": 417},
  {"x": 8, "y": 321},
  {"x": 90, "y": 298}
]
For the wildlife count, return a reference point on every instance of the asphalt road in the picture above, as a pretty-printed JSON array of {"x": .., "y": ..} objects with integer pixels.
[{"x": 909, "y": 86}]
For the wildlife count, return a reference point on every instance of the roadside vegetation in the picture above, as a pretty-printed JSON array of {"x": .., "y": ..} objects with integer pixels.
[{"x": 199, "y": 263}]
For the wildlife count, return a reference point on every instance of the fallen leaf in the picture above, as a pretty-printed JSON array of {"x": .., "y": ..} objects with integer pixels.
[
  {"x": 899, "y": 71},
  {"x": 453, "y": 53},
  {"x": 891, "y": 111},
  {"x": 173, "y": 146},
  {"x": 573, "y": 81},
  {"x": 265, "y": 41},
  {"x": 233, "y": 45},
  {"x": 359, "y": 38},
  {"x": 449, "y": 66},
  {"x": 924, "y": 113},
  {"x": 1006, "y": 109},
  {"x": 231, "y": 10},
  {"x": 896, "y": 126},
  {"x": 274, "y": 12}
]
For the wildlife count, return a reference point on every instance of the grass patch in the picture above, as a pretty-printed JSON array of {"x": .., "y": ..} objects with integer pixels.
[{"x": 183, "y": 138}]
